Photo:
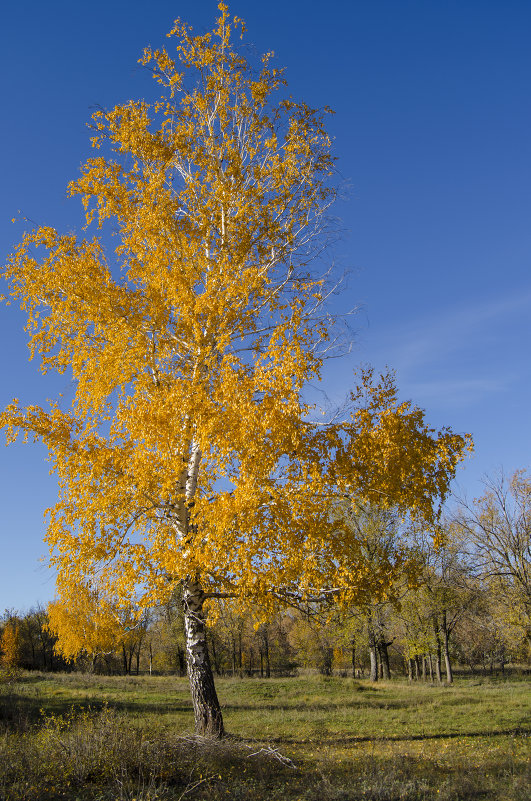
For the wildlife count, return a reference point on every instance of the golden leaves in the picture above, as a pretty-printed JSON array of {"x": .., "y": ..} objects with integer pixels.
[
  {"x": 187, "y": 449},
  {"x": 394, "y": 455}
]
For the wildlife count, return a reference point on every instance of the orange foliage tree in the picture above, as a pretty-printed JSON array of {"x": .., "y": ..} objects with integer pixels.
[
  {"x": 10, "y": 649},
  {"x": 188, "y": 455}
]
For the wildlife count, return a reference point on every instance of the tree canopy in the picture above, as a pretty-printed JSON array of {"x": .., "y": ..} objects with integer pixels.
[{"x": 189, "y": 452}]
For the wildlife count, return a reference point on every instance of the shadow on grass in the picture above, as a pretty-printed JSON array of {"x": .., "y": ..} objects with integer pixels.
[
  {"x": 298, "y": 706},
  {"x": 520, "y": 731},
  {"x": 17, "y": 705},
  {"x": 18, "y": 711}
]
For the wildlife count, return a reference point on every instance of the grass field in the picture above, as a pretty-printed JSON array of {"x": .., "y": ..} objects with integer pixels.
[{"x": 73, "y": 736}]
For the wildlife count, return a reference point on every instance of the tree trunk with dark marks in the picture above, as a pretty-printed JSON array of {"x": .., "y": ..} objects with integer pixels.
[
  {"x": 446, "y": 650},
  {"x": 240, "y": 654},
  {"x": 265, "y": 636},
  {"x": 373, "y": 653},
  {"x": 207, "y": 712},
  {"x": 383, "y": 653},
  {"x": 438, "y": 655}
]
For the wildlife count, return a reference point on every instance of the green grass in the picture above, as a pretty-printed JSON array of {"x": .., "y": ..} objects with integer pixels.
[{"x": 97, "y": 738}]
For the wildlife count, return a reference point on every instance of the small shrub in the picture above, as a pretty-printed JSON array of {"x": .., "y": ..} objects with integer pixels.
[{"x": 84, "y": 750}]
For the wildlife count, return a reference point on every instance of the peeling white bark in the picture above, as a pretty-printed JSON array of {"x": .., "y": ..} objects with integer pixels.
[
  {"x": 193, "y": 471},
  {"x": 207, "y": 712}
]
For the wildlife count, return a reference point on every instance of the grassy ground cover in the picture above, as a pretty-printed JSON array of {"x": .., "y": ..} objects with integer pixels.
[{"x": 319, "y": 739}]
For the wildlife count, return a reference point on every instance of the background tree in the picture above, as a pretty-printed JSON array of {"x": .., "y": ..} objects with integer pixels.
[
  {"x": 497, "y": 527},
  {"x": 91, "y": 624},
  {"x": 165, "y": 638},
  {"x": 380, "y": 534},
  {"x": 187, "y": 456},
  {"x": 38, "y": 641},
  {"x": 314, "y": 634},
  {"x": 484, "y": 637},
  {"x": 448, "y": 591},
  {"x": 10, "y": 649}
]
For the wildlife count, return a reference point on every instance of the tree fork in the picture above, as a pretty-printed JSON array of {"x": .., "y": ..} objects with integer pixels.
[{"x": 207, "y": 711}]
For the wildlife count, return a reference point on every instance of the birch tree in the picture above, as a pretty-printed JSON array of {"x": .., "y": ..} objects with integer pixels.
[{"x": 187, "y": 455}]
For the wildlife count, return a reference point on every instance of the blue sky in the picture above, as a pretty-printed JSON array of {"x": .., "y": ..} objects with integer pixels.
[{"x": 432, "y": 134}]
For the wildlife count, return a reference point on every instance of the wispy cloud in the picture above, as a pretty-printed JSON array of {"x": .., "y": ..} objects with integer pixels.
[
  {"x": 458, "y": 356},
  {"x": 434, "y": 337}
]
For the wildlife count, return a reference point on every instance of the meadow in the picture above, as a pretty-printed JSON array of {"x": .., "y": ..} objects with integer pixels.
[{"x": 97, "y": 738}]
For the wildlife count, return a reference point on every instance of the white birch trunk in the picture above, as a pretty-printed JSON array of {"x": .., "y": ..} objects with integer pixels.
[{"x": 207, "y": 712}]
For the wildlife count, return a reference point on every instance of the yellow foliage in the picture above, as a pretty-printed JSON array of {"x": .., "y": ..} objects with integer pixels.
[
  {"x": 86, "y": 621},
  {"x": 187, "y": 450},
  {"x": 10, "y": 649}
]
